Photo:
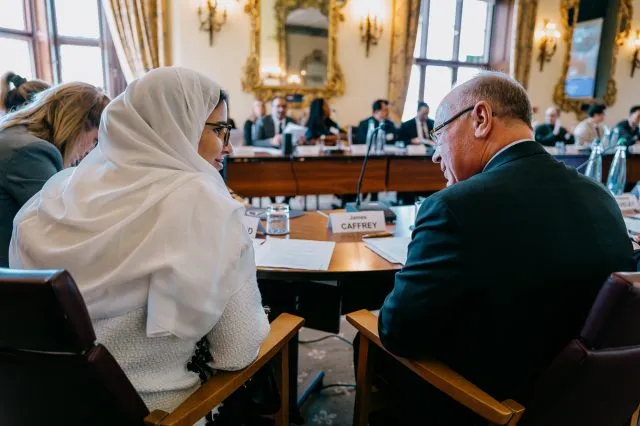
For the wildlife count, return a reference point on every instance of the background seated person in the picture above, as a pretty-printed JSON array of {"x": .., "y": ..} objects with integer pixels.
[
  {"x": 16, "y": 91},
  {"x": 380, "y": 114},
  {"x": 55, "y": 130},
  {"x": 269, "y": 129},
  {"x": 416, "y": 130},
  {"x": 320, "y": 125},
  {"x": 590, "y": 128},
  {"x": 156, "y": 244},
  {"x": 497, "y": 281},
  {"x": 630, "y": 127},
  {"x": 551, "y": 131},
  {"x": 250, "y": 126}
]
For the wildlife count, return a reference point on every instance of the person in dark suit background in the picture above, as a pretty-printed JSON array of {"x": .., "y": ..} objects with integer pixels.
[
  {"x": 497, "y": 279},
  {"x": 380, "y": 114},
  {"x": 551, "y": 131},
  {"x": 417, "y": 129},
  {"x": 630, "y": 127},
  {"x": 269, "y": 128}
]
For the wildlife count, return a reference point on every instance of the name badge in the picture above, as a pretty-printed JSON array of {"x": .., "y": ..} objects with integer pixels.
[
  {"x": 344, "y": 223},
  {"x": 251, "y": 224},
  {"x": 627, "y": 202}
]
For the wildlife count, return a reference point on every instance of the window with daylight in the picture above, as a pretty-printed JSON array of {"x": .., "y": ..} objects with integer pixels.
[
  {"x": 59, "y": 41},
  {"x": 452, "y": 45}
]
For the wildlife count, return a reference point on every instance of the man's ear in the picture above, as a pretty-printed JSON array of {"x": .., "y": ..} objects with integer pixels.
[{"x": 482, "y": 115}]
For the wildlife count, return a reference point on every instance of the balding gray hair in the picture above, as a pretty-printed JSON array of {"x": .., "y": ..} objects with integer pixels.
[{"x": 506, "y": 96}]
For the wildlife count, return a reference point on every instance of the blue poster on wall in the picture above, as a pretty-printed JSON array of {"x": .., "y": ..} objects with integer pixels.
[{"x": 583, "y": 65}]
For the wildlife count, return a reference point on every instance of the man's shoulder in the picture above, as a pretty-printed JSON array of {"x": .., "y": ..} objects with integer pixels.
[
  {"x": 409, "y": 122},
  {"x": 365, "y": 122}
]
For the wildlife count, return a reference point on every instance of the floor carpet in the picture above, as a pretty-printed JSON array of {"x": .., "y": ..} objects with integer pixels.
[{"x": 332, "y": 406}]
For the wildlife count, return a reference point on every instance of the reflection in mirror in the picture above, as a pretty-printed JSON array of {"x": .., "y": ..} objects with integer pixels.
[{"x": 306, "y": 46}]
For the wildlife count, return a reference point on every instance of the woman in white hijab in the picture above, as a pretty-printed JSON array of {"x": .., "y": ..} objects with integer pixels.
[{"x": 157, "y": 246}]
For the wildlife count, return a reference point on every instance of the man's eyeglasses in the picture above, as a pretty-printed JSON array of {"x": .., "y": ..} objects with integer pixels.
[
  {"x": 222, "y": 130},
  {"x": 432, "y": 134}
]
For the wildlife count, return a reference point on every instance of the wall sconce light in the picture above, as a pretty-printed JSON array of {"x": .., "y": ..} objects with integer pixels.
[
  {"x": 213, "y": 16},
  {"x": 370, "y": 31},
  {"x": 548, "y": 38},
  {"x": 635, "y": 61}
]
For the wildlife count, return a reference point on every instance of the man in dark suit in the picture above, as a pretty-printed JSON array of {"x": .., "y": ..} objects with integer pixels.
[
  {"x": 551, "y": 131},
  {"x": 630, "y": 127},
  {"x": 380, "y": 114},
  {"x": 504, "y": 264},
  {"x": 269, "y": 129},
  {"x": 417, "y": 129}
]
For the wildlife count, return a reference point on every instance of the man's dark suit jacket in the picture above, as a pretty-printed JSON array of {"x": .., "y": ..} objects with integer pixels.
[
  {"x": 631, "y": 135},
  {"x": 544, "y": 134},
  {"x": 503, "y": 269},
  {"x": 266, "y": 130},
  {"x": 363, "y": 129},
  {"x": 409, "y": 129}
]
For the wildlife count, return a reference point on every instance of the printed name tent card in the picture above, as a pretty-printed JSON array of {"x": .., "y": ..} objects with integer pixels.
[{"x": 369, "y": 221}]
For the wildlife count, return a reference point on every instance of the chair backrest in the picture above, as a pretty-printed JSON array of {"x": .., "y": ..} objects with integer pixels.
[
  {"x": 51, "y": 370},
  {"x": 595, "y": 380}
]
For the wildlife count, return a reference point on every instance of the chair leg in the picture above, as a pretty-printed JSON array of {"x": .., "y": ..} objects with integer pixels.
[
  {"x": 634, "y": 418},
  {"x": 363, "y": 384},
  {"x": 517, "y": 409},
  {"x": 282, "y": 416}
]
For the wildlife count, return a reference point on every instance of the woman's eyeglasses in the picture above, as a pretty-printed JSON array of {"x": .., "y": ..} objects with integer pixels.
[{"x": 222, "y": 130}]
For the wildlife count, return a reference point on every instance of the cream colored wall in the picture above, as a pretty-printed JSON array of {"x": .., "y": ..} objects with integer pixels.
[
  {"x": 542, "y": 84},
  {"x": 366, "y": 78}
]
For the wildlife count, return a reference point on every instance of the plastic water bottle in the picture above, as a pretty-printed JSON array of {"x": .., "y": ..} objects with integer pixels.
[
  {"x": 381, "y": 139},
  {"x": 618, "y": 172},
  {"x": 370, "y": 130},
  {"x": 594, "y": 166}
]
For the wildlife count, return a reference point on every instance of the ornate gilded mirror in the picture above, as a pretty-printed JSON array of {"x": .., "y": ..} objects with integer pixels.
[
  {"x": 594, "y": 31},
  {"x": 293, "y": 49}
]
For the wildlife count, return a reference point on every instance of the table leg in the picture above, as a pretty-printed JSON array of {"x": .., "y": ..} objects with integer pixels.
[{"x": 312, "y": 384}]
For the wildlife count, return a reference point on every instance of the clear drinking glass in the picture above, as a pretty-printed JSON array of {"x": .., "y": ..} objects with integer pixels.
[{"x": 278, "y": 219}]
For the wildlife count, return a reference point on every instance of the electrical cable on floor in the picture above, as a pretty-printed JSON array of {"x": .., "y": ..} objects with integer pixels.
[
  {"x": 334, "y": 336},
  {"x": 338, "y": 385}
]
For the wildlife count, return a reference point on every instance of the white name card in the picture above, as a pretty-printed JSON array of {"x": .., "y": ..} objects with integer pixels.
[
  {"x": 308, "y": 150},
  {"x": 251, "y": 224},
  {"x": 627, "y": 202},
  {"x": 243, "y": 151},
  {"x": 343, "y": 223},
  {"x": 416, "y": 150}
]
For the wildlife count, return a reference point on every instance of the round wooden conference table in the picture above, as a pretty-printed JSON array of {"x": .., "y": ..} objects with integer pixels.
[
  {"x": 351, "y": 258},
  {"x": 357, "y": 278}
]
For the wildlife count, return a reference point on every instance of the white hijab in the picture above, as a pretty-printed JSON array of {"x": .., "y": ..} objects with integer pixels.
[{"x": 143, "y": 220}]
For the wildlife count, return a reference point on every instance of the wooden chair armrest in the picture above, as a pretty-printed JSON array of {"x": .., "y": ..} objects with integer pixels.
[
  {"x": 442, "y": 377},
  {"x": 224, "y": 383}
]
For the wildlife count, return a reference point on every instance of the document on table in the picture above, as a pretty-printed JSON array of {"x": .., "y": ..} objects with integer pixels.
[
  {"x": 633, "y": 223},
  {"x": 393, "y": 249},
  {"x": 294, "y": 254}
]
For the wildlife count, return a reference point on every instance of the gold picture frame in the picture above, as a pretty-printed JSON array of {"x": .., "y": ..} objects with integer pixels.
[
  {"x": 252, "y": 79},
  {"x": 623, "y": 24}
]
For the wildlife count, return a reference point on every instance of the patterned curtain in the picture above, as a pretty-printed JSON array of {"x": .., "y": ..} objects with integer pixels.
[
  {"x": 140, "y": 34},
  {"x": 403, "y": 40},
  {"x": 522, "y": 49}
]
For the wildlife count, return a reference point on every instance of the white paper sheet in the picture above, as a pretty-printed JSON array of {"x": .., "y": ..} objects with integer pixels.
[
  {"x": 633, "y": 224},
  {"x": 294, "y": 254},
  {"x": 392, "y": 249}
]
